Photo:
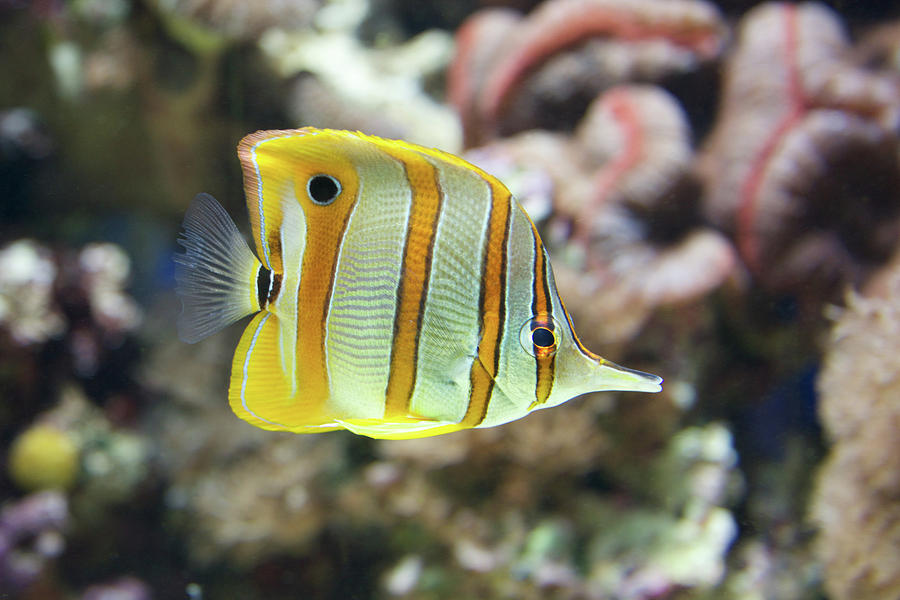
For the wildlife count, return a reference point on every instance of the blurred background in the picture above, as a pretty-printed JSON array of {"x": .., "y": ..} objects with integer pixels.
[{"x": 718, "y": 185}]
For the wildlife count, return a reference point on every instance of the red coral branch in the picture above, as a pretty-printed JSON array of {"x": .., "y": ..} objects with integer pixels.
[
  {"x": 801, "y": 163},
  {"x": 747, "y": 241},
  {"x": 557, "y": 25},
  {"x": 498, "y": 51},
  {"x": 621, "y": 105},
  {"x": 635, "y": 143}
]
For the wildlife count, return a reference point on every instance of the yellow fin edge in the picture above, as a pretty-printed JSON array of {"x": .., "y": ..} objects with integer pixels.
[{"x": 411, "y": 428}]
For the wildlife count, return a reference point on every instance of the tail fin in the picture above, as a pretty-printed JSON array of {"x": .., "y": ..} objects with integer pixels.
[{"x": 216, "y": 277}]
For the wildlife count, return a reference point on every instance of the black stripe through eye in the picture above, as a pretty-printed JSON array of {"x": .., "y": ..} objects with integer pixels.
[{"x": 263, "y": 278}]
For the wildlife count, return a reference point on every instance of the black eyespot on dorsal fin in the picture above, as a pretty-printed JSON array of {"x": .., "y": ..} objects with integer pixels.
[{"x": 543, "y": 337}]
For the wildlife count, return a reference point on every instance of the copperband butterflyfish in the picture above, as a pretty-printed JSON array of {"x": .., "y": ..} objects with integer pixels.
[{"x": 398, "y": 292}]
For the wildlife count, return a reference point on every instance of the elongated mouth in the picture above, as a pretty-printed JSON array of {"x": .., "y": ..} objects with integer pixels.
[{"x": 612, "y": 377}]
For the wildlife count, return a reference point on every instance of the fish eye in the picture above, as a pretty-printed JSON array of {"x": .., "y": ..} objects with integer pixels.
[
  {"x": 539, "y": 336},
  {"x": 323, "y": 189}
]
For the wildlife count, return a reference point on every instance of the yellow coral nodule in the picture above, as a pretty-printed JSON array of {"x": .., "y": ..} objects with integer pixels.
[{"x": 43, "y": 457}]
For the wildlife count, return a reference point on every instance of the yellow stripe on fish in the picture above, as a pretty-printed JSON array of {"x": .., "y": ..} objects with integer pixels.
[
  {"x": 418, "y": 250},
  {"x": 399, "y": 292},
  {"x": 492, "y": 305}
]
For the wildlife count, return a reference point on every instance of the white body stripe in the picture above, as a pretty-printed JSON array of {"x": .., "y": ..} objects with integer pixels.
[
  {"x": 451, "y": 322},
  {"x": 360, "y": 323},
  {"x": 293, "y": 246},
  {"x": 516, "y": 373}
]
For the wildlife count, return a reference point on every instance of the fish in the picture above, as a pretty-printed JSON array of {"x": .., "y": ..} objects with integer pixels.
[{"x": 397, "y": 292}]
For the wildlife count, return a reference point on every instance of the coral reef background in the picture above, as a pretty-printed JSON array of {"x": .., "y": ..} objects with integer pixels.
[{"x": 718, "y": 184}]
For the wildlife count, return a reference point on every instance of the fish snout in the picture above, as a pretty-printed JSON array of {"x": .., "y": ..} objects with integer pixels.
[{"x": 612, "y": 377}]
